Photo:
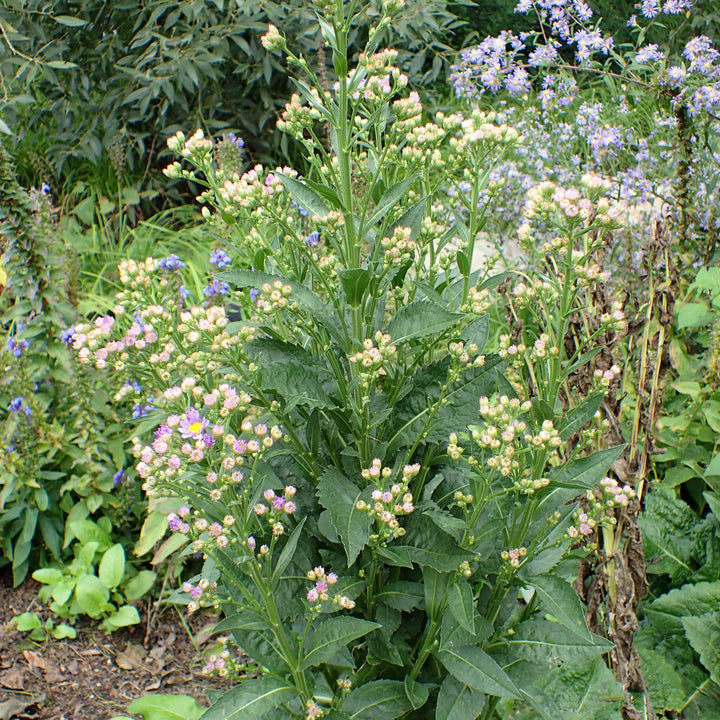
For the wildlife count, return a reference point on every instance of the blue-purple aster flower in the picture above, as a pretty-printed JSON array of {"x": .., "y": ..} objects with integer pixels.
[
  {"x": 171, "y": 262},
  {"x": 119, "y": 476},
  {"x": 193, "y": 424},
  {"x": 313, "y": 238},
  {"x": 237, "y": 141},
  {"x": 220, "y": 258},
  {"x": 66, "y": 336},
  {"x": 216, "y": 287}
]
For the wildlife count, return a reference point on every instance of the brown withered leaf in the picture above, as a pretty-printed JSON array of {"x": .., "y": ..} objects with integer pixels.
[
  {"x": 132, "y": 657},
  {"x": 13, "y": 679}
]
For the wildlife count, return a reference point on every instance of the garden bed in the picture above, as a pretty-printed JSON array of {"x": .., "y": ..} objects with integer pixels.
[{"x": 95, "y": 675}]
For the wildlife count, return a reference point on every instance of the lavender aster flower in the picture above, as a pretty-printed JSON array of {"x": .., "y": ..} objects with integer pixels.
[
  {"x": 171, "y": 262},
  {"x": 193, "y": 424},
  {"x": 313, "y": 238}
]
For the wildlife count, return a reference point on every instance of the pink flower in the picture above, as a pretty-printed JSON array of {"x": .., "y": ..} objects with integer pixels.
[{"x": 192, "y": 424}]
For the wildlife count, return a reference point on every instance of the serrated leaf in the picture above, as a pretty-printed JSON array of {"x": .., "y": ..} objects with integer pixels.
[
  {"x": 584, "y": 473},
  {"x": 703, "y": 632},
  {"x": 333, "y": 635},
  {"x": 549, "y": 643},
  {"x": 339, "y": 496},
  {"x": 402, "y": 595},
  {"x": 304, "y": 196},
  {"x": 462, "y": 605},
  {"x": 457, "y": 701},
  {"x": 112, "y": 566},
  {"x": 576, "y": 419},
  {"x": 420, "y": 319},
  {"x": 156, "y": 706},
  {"x": 559, "y": 599},
  {"x": 377, "y": 700},
  {"x": 475, "y": 668},
  {"x": 250, "y": 700}
]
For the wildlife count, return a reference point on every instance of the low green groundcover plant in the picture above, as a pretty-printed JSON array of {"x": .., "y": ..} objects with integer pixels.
[{"x": 390, "y": 514}]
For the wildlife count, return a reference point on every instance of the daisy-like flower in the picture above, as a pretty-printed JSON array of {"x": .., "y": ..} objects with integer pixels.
[{"x": 193, "y": 424}]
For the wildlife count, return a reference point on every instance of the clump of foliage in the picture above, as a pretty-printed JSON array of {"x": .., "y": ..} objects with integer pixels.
[
  {"x": 366, "y": 532},
  {"x": 63, "y": 458}
]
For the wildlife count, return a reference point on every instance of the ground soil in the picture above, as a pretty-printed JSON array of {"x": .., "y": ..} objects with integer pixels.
[{"x": 96, "y": 675}]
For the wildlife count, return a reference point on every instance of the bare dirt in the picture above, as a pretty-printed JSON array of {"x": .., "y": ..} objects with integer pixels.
[{"x": 96, "y": 676}]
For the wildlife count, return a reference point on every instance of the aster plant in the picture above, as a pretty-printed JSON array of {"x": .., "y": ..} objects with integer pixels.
[{"x": 386, "y": 507}]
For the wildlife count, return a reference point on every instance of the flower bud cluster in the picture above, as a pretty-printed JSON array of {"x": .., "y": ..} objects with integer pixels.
[
  {"x": 298, "y": 116},
  {"x": 272, "y": 40},
  {"x": 388, "y": 503},
  {"x": 463, "y": 353},
  {"x": 273, "y": 298},
  {"x": 514, "y": 556},
  {"x": 600, "y": 505},
  {"x": 478, "y": 301},
  {"x": 399, "y": 246},
  {"x": 277, "y": 508},
  {"x": 373, "y": 356},
  {"x": 541, "y": 348},
  {"x": 529, "y": 486},
  {"x": 320, "y": 591},
  {"x": 538, "y": 290},
  {"x": 408, "y": 112},
  {"x": 197, "y": 148},
  {"x": 202, "y": 594},
  {"x": 513, "y": 352},
  {"x": 224, "y": 663},
  {"x": 602, "y": 379}
]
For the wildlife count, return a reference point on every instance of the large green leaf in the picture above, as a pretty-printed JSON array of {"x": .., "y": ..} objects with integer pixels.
[
  {"x": 669, "y": 527},
  {"x": 578, "y": 691},
  {"x": 428, "y": 545},
  {"x": 339, "y": 496},
  {"x": 304, "y": 196},
  {"x": 474, "y": 667},
  {"x": 584, "y": 473},
  {"x": 250, "y": 700},
  {"x": 462, "y": 605},
  {"x": 92, "y": 595},
  {"x": 579, "y": 416},
  {"x": 420, "y": 319},
  {"x": 377, "y": 700},
  {"x": 402, "y": 595},
  {"x": 703, "y": 632},
  {"x": 288, "y": 551},
  {"x": 457, "y": 701},
  {"x": 436, "y": 585},
  {"x": 559, "y": 599},
  {"x": 166, "y": 707},
  {"x": 112, "y": 566},
  {"x": 332, "y": 636},
  {"x": 667, "y": 611},
  {"x": 550, "y": 643}
]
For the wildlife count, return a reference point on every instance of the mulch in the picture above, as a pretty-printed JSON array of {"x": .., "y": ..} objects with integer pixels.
[{"x": 96, "y": 676}]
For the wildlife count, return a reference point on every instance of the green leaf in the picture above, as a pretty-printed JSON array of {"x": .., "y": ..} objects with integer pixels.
[
  {"x": 61, "y": 64},
  {"x": 137, "y": 586},
  {"x": 420, "y": 319},
  {"x": 416, "y": 693},
  {"x": 333, "y": 635},
  {"x": 125, "y": 615},
  {"x": 579, "y": 690},
  {"x": 250, "y": 700},
  {"x": 550, "y": 644},
  {"x": 692, "y": 315},
  {"x": 456, "y": 701},
  {"x": 474, "y": 667},
  {"x": 112, "y": 566},
  {"x": 713, "y": 468},
  {"x": 69, "y": 20},
  {"x": 339, "y": 496},
  {"x": 168, "y": 547},
  {"x": 396, "y": 556},
  {"x": 304, "y": 196},
  {"x": 703, "y": 632},
  {"x": 62, "y": 631},
  {"x": 562, "y": 602},
  {"x": 48, "y": 576},
  {"x": 4, "y": 128},
  {"x": 243, "y": 620},
  {"x": 152, "y": 530},
  {"x": 402, "y": 595},
  {"x": 92, "y": 595},
  {"x": 390, "y": 199},
  {"x": 166, "y": 707},
  {"x": 354, "y": 283},
  {"x": 462, "y": 605},
  {"x": 288, "y": 551},
  {"x": 86, "y": 531},
  {"x": 584, "y": 473},
  {"x": 377, "y": 700},
  {"x": 579, "y": 416},
  {"x": 428, "y": 545},
  {"x": 436, "y": 588},
  {"x": 27, "y": 621}
]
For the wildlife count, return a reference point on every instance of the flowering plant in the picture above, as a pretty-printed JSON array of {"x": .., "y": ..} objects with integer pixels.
[{"x": 366, "y": 532}]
